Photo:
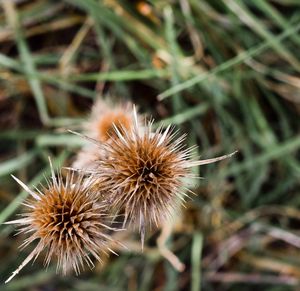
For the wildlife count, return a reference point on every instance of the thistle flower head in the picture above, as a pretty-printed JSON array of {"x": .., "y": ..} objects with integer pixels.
[
  {"x": 67, "y": 220},
  {"x": 144, "y": 172}
]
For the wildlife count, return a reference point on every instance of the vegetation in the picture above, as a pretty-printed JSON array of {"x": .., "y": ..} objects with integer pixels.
[{"x": 224, "y": 72}]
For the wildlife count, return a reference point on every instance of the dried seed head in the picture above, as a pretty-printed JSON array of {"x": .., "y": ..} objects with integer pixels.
[
  {"x": 144, "y": 171},
  {"x": 104, "y": 117},
  {"x": 105, "y": 125},
  {"x": 68, "y": 221}
]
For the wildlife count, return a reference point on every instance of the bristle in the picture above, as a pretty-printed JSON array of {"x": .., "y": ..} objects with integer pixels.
[
  {"x": 210, "y": 161},
  {"x": 69, "y": 222},
  {"x": 26, "y": 188}
]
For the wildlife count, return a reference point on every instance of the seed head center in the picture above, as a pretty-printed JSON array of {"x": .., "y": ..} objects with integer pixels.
[{"x": 148, "y": 172}]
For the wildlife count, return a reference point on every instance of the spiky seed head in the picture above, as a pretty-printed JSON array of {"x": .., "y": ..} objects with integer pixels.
[
  {"x": 105, "y": 125},
  {"x": 69, "y": 222},
  {"x": 100, "y": 126},
  {"x": 145, "y": 172},
  {"x": 104, "y": 117}
]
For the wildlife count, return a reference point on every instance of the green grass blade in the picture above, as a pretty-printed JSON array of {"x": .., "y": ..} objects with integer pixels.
[
  {"x": 240, "y": 58},
  {"x": 196, "y": 251},
  {"x": 10, "y": 166}
]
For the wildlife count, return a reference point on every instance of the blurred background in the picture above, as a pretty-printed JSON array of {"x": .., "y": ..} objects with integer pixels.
[{"x": 226, "y": 72}]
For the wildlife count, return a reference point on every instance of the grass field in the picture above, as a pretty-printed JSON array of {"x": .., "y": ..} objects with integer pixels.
[{"x": 225, "y": 72}]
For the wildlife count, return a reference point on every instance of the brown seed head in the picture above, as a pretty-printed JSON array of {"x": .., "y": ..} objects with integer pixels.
[
  {"x": 68, "y": 221},
  {"x": 104, "y": 117},
  {"x": 106, "y": 123},
  {"x": 144, "y": 172}
]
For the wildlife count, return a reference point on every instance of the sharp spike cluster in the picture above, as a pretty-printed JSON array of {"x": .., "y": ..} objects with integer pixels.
[
  {"x": 144, "y": 171},
  {"x": 68, "y": 220},
  {"x": 128, "y": 170}
]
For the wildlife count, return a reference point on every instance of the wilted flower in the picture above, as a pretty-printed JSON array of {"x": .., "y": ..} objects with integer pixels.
[{"x": 68, "y": 220}]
